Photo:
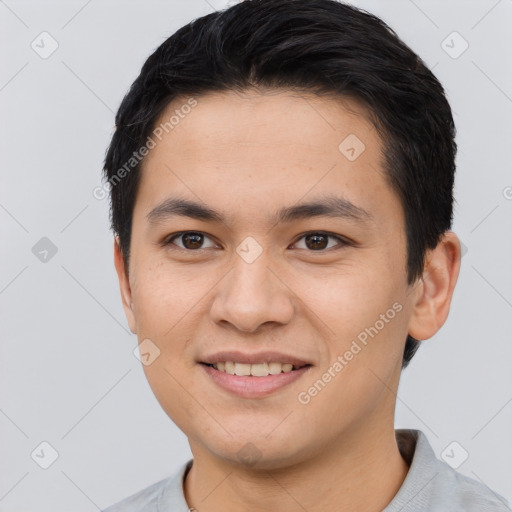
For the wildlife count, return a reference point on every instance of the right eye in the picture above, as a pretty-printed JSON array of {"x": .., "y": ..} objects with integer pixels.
[{"x": 191, "y": 240}]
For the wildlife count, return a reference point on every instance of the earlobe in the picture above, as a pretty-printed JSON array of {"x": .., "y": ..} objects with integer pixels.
[
  {"x": 124, "y": 286},
  {"x": 435, "y": 289}
]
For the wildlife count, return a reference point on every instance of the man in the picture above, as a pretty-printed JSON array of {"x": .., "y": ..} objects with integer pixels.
[{"x": 282, "y": 184}]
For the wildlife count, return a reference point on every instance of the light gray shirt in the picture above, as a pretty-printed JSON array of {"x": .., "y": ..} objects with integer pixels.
[{"x": 431, "y": 485}]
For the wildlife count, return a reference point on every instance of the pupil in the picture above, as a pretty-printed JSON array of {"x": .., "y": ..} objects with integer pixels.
[
  {"x": 317, "y": 241},
  {"x": 196, "y": 239}
]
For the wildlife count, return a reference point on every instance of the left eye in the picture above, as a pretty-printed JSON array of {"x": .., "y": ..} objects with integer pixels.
[
  {"x": 318, "y": 241},
  {"x": 315, "y": 240}
]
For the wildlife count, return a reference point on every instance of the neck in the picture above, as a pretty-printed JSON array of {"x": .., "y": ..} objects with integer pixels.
[{"x": 339, "y": 478}]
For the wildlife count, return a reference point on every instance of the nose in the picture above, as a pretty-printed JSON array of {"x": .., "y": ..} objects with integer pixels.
[{"x": 251, "y": 295}]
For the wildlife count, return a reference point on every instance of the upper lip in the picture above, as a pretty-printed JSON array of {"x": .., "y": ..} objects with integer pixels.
[{"x": 255, "y": 358}]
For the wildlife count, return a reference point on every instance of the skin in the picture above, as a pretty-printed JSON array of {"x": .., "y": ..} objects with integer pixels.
[{"x": 247, "y": 155}]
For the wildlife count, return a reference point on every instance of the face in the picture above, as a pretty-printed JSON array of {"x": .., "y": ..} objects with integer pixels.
[{"x": 323, "y": 286}]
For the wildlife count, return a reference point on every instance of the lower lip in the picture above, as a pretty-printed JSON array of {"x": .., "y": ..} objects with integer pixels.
[{"x": 253, "y": 387}]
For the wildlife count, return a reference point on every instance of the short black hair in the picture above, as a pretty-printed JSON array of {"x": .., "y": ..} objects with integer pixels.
[{"x": 323, "y": 47}]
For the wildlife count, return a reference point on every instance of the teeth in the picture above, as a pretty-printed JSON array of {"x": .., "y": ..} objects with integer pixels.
[
  {"x": 242, "y": 369},
  {"x": 259, "y": 370},
  {"x": 275, "y": 368},
  {"x": 256, "y": 370}
]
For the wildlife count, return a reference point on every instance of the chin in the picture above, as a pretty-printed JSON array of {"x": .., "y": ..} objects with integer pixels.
[{"x": 256, "y": 452}]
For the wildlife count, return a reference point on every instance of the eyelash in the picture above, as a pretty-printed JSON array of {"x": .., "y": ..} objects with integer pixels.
[{"x": 342, "y": 241}]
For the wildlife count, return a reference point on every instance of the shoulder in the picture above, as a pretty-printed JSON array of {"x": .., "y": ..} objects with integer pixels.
[
  {"x": 166, "y": 494},
  {"x": 467, "y": 494},
  {"x": 433, "y": 485},
  {"x": 144, "y": 500}
]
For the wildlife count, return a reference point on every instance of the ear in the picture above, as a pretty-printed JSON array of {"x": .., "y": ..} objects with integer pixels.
[
  {"x": 124, "y": 285},
  {"x": 434, "y": 289}
]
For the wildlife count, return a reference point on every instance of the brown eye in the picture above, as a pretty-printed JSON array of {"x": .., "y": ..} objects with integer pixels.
[
  {"x": 191, "y": 240},
  {"x": 318, "y": 241}
]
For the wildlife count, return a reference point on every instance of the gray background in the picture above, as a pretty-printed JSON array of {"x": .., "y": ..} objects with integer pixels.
[{"x": 68, "y": 375}]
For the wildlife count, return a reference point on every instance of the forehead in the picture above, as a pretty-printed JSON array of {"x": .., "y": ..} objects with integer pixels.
[
  {"x": 271, "y": 116},
  {"x": 257, "y": 150}
]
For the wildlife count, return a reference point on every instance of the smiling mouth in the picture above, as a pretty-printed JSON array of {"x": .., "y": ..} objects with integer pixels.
[{"x": 254, "y": 370}]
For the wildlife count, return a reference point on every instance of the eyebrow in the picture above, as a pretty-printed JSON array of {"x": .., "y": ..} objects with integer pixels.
[{"x": 326, "y": 206}]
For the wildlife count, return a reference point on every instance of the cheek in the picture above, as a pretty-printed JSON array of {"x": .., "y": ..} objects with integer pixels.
[
  {"x": 363, "y": 316},
  {"x": 348, "y": 299},
  {"x": 165, "y": 314},
  {"x": 171, "y": 387},
  {"x": 363, "y": 359},
  {"x": 164, "y": 296}
]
